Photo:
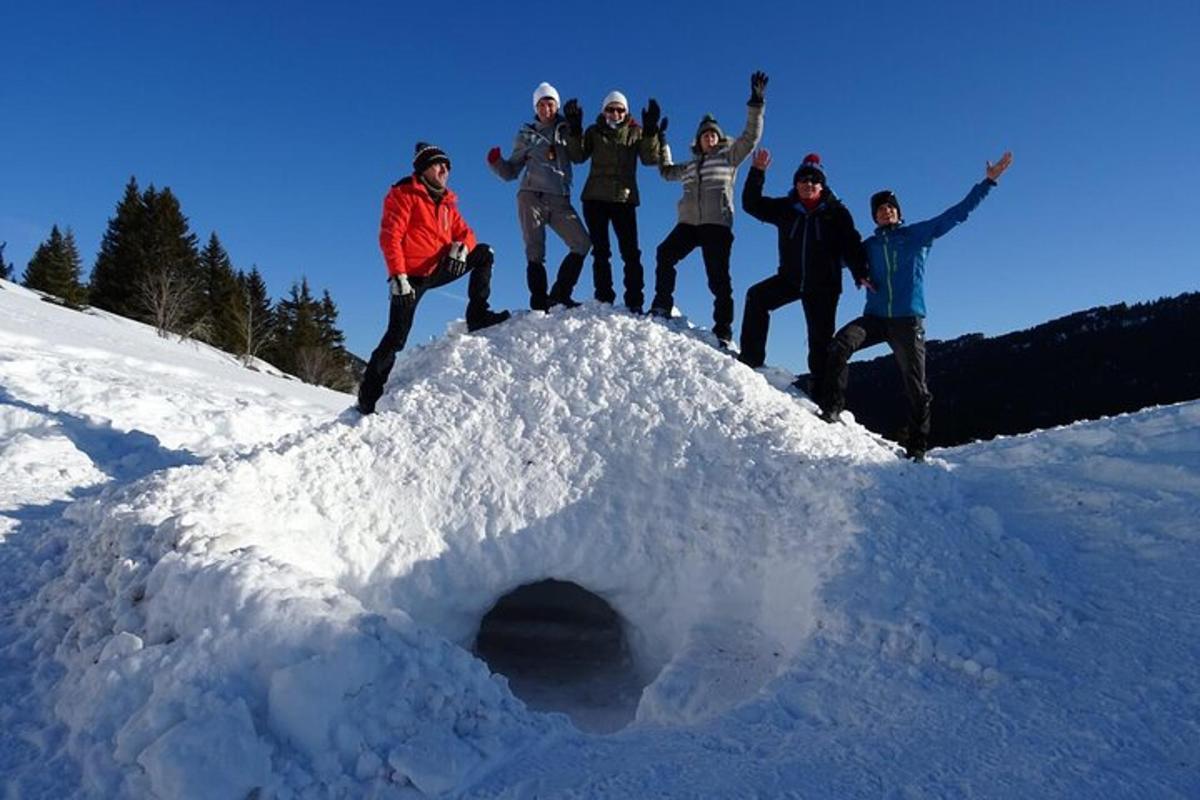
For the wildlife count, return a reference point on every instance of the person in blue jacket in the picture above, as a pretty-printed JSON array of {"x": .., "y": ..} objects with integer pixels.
[{"x": 895, "y": 311}]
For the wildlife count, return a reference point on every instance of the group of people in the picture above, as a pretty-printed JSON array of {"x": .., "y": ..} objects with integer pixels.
[{"x": 426, "y": 243}]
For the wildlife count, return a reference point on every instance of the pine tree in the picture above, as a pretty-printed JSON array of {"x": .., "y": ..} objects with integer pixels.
[
  {"x": 170, "y": 288},
  {"x": 308, "y": 343},
  {"x": 253, "y": 316},
  {"x": 120, "y": 264},
  {"x": 6, "y": 269},
  {"x": 55, "y": 268},
  {"x": 223, "y": 297}
]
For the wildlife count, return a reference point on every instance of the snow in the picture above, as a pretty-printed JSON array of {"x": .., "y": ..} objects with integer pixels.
[{"x": 217, "y": 582}]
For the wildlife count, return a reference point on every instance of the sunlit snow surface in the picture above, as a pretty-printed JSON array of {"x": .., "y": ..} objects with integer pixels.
[{"x": 216, "y": 582}]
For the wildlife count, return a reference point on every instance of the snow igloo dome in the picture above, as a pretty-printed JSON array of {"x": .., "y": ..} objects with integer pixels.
[{"x": 622, "y": 521}]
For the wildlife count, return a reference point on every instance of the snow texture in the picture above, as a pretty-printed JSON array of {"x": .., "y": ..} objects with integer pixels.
[{"x": 220, "y": 583}]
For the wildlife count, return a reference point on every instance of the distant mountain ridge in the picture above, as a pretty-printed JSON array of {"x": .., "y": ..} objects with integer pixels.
[{"x": 1090, "y": 364}]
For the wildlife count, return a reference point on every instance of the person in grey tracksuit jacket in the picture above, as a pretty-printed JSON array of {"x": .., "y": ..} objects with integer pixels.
[
  {"x": 540, "y": 150},
  {"x": 706, "y": 210}
]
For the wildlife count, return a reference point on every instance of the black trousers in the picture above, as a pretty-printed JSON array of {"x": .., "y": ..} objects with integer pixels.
[
  {"x": 401, "y": 314},
  {"x": 715, "y": 243},
  {"x": 820, "y": 316},
  {"x": 906, "y": 337},
  {"x": 598, "y": 215}
]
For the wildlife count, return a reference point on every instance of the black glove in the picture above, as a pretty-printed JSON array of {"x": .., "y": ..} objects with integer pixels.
[
  {"x": 403, "y": 290},
  {"x": 456, "y": 259},
  {"x": 758, "y": 86},
  {"x": 650, "y": 117},
  {"x": 574, "y": 115}
]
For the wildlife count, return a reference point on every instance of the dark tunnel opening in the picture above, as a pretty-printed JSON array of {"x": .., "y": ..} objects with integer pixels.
[{"x": 563, "y": 648}]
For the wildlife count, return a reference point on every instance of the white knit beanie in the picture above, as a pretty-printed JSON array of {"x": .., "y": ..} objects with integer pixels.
[
  {"x": 614, "y": 98},
  {"x": 544, "y": 90}
]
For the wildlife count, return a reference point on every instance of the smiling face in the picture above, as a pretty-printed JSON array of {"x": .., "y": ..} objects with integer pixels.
[
  {"x": 547, "y": 108},
  {"x": 809, "y": 187},
  {"x": 886, "y": 214},
  {"x": 437, "y": 174},
  {"x": 708, "y": 141}
]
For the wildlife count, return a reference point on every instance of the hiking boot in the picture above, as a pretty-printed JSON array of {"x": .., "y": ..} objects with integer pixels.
[
  {"x": 486, "y": 319},
  {"x": 565, "y": 302},
  {"x": 539, "y": 302},
  {"x": 830, "y": 416},
  {"x": 915, "y": 454},
  {"x": 659, "y": 311},
  {"x": 636, "y": 311}
]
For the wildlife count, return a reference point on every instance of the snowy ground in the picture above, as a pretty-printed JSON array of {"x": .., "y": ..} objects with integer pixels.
[{"x": 215, "y": 583}]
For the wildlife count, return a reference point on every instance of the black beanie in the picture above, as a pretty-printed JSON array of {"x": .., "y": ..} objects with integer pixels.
[
  {"x": 427, "y": 155},
  {"x": 888, "y": 197},
  {"x": 810, "y": 166}
]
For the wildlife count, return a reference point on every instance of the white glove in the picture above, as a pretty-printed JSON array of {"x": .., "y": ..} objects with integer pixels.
[
  {"x": 402, "y": 288},
  {"x": 456, "y": 259}
]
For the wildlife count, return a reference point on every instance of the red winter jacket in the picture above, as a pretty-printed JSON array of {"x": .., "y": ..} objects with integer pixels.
[{"x": 415, "y": 232}]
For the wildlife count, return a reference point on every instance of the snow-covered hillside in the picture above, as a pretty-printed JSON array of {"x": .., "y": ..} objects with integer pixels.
[{"x": 219, "y": 584}]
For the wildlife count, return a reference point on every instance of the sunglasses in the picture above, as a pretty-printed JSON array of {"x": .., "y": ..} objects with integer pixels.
[{"x": 614, "y": 110}]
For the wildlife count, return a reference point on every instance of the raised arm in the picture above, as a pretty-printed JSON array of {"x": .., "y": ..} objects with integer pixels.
[
  {"x": 765, "y": 209},
  {"x": 750, "y": 137},
  {"x": 957, "y": 214},
  {"x": 579, "y": 141}
]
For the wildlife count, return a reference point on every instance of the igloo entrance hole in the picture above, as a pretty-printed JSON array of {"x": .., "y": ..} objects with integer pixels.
[{"x": 563, "y": 649}]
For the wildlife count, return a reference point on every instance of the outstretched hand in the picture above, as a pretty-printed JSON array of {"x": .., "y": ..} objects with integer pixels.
[
  {"x": 762, "y": 159},
  {"x": 574, "y": 115},
  {"x": 493, "y": 155},
  {"x": 758, "y": 87},
  {"x": 650, "y": 116},
  {"x": 994, "y": 171}
]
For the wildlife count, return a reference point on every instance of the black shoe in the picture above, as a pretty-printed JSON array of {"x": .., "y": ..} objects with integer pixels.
[
  {"x": 539, "y": 302},
  {"x": 915, "y": 454},
  {"x": 659, "y": 311},
  {"x": 366, "y": 409},
  {"x": 565, "y": 302},
  {"x": 830, "y": 416},
  {"x": 636, "y": 311},
  {"x": 486, "y": 320}
]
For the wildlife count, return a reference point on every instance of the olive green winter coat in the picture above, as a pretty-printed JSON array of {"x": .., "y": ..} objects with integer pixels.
[{"x": 614, "y": 153}]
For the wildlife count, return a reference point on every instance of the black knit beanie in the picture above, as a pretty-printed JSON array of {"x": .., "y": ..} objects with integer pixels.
[
  {"x": 427, "y": 155},
  {"x": 888, "y": 197}
]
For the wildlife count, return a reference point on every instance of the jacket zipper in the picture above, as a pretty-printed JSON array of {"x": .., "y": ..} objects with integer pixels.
[{"x": 891, "y": 268}]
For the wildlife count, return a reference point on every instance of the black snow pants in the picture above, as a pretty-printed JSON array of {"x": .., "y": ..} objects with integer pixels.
[
  {"x": 401, "y": 313},
  {"x": 598, "y": 215},
  {"x": 906, "y": 337},
  {"x": 716, "y": 243},
  {"x": 820, "y": 317}
]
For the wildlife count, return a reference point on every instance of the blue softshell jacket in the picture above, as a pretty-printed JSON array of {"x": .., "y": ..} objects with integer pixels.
[{"x": 897, "y": 257}]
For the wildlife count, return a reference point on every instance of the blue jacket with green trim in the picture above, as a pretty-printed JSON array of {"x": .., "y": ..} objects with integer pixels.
[{"x": 897, "y": 254}]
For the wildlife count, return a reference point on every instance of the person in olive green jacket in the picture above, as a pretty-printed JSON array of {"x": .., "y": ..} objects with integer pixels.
[{"x": 614, "y": 144}]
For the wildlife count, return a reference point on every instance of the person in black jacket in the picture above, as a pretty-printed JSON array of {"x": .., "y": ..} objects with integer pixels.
[{"x": 816, "y": 237}]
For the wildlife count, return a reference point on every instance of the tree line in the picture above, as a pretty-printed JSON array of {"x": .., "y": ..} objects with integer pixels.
[{"x": 151, "y": 268}]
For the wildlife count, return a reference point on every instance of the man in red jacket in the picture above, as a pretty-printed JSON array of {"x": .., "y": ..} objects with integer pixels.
[{"x": 426, "y": 243}]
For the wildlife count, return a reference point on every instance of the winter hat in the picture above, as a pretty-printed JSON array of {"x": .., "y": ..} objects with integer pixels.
[
  {"x": 811, "y": 166},
  {"x": 709, "y": 123},
  {"x": 544, "y": 90},
  {"x": 427, "y": 155},
  {"x": 888, "y": 197},
  {"x": 614, "y": 98}
]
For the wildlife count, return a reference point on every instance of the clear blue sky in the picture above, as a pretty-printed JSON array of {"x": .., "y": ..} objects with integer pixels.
[{"x": 282, "y": 125}]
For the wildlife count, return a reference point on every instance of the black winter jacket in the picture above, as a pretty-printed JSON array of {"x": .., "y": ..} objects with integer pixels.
[{"x": 813, "y": 245}]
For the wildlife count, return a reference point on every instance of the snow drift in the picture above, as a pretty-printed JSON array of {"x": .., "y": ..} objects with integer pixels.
[{"x": 805, "y": 615}]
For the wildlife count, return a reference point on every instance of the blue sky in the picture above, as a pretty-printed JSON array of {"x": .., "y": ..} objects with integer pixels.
[{"x": 281, "y": 127}]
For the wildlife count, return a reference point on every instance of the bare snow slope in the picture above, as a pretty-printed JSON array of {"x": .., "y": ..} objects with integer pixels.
[{"x": 814, "y": 617}]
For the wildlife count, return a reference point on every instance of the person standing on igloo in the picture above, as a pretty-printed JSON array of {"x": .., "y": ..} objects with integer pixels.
[
  {"x": 426, "y": 243},
  {"x": 706, "y": 210}
]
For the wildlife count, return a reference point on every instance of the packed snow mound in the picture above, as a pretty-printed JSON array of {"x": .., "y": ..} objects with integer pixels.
[{"x": 299, "y": 612}]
